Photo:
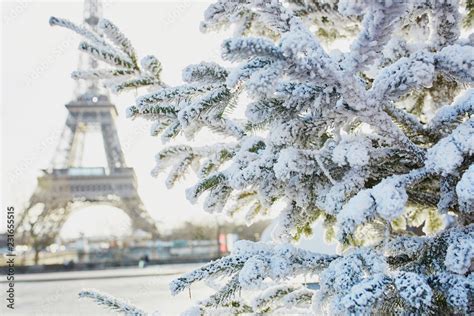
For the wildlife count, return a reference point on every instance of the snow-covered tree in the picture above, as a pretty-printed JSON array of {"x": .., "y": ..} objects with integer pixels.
[{"x": 377, "y": 141}]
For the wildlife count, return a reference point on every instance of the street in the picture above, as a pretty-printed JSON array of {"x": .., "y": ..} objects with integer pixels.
[{"x": 57, "y": 293}]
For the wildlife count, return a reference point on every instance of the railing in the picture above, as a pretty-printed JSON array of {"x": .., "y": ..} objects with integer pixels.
[
  {"x": 86, "y": 171},
  {"x": 92, "y": 171}
]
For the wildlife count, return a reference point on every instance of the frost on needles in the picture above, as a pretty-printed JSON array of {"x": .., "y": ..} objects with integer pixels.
[{"x": 377, "y": 142}]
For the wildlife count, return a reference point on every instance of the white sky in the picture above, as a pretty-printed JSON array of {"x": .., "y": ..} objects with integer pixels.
[{"x": 36, "y": 63}]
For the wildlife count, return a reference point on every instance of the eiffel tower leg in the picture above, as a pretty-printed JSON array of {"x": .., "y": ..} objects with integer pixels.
[
  {"x": 113, "y": 149},
  {"x": 139, "y": 217},
  {"x": 49, "y": 226},
  {"x": 64, "y": 153}
]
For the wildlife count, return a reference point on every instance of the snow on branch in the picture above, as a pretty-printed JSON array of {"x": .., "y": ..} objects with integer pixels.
[
  {"x": 378, "y": 24},
  {"x": 118, "y": 38},
  {"x": 205, "y": 72},
  {"x": 88, "y": 34},
  {"x": 450, "y": 113},
  {"x": 244, "y": 48},
  {"x": 106, "y": 55},
  {"x": 449, "y": 153},
  {"x": 112, "y": 303},
  {"x": 376, "y": 142},
  {"x": 254, "y": 262},
  {"x": 456, "y": 61}
]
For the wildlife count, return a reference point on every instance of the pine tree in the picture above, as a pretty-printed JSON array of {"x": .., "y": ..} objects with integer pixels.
[{"x": 377, "y": 142}]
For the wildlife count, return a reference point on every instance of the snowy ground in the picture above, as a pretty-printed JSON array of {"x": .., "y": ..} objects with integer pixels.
[{"x": 56, "y": 293}]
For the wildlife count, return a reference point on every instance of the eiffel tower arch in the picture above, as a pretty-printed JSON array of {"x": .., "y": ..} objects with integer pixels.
[{"x": 68, "y": 185}]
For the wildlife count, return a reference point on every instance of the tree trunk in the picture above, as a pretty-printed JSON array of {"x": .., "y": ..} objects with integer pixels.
[{"x": 37, "y": 251}]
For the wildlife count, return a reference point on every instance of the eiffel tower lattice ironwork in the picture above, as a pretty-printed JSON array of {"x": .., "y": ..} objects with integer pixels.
[{"x": 67, "y": 184}]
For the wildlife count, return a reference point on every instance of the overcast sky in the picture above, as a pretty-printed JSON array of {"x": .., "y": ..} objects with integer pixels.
[{"x": 36, "y": 63}]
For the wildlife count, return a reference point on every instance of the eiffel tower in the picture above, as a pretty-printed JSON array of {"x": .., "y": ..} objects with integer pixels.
[{"x": 67, "y": 185}]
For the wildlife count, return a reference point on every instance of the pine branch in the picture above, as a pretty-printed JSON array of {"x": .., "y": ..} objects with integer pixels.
[
  {"x": 105, "y": 55},
  {"x": 112, "y": 303},
  {"x": 119, "y": 39}
]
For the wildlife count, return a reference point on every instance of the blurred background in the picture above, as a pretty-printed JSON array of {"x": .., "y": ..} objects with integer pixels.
[{"x": 96, "y": 245}]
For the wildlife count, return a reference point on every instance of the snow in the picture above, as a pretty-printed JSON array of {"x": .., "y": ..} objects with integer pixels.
[
  {"x": 456, "y": 288},
  {"x": 353, "y": 151},
  {"x": 101, "y": 74},
  {"x": 413, "y": 289},
  {"x": 457, "y": 61},
  {"x": 285, "y": 133},
  {"x": 259, "y": 111},
  {"x": 292, "y": 160},
  {"x": 406, "y": 245},
  {"x": 445, "y": 158},
  {"x": 204, "y": 72},
  {"x": 111, "y": 302},
  {"x": 253, "y": 273},
  {"x": 151, "y": 64},
  {"x": 191, "y": 112},
  {"x": 106, "y": 55},
  {"x": 247, "y": 47},
  {"x": 117, "y": 37},
  {"x": 95, "y": 38},
  {"x": 390, "y": 198},
  {"x": 280, "y": 265},
  {"x": 245, "y": 247},
  {"x": 380, "y": 20},
  {"x": 404, "y": 75},
  {"x": 246, "y": 70},
  {"x": 260, "y": 81},
  {"x": 459, "y": 256},
  {"x": 451, "y": 112},
  {"x": 363, "y": 295},
  {"x": 465, "y": 191},
  {"x": 347, "y": 273},
  {"x": 448, "y": 153},
  {"x": 355, "y": 212},
  {"x": 350, "y": 7}
]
